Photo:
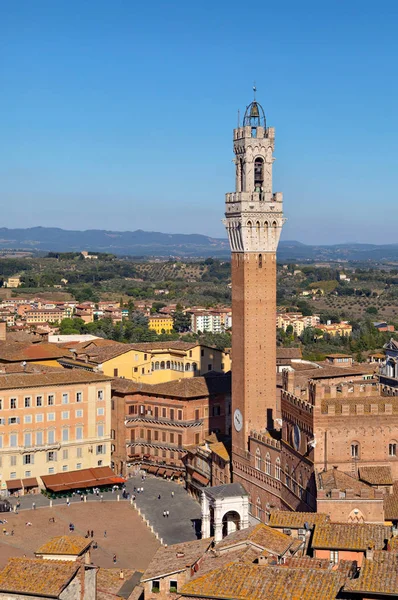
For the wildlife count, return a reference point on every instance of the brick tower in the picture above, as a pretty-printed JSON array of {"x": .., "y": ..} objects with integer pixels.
[{"x": 254, "y": 220}]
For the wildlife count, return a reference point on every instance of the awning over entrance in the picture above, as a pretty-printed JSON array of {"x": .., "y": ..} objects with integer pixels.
[
  {"x": 152, "y": 470},
  {"x": 14, "y": 484},
  {"x": 203, "y": 480},
  {"x": 84, "y": 478},
  {"x": 161, "y": 471},
  {"x": 30, "y": 482},
  {"x": 169, "y": 473}
]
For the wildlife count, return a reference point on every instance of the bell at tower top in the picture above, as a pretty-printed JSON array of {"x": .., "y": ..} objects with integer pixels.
[{"x": 254, "y": 114}]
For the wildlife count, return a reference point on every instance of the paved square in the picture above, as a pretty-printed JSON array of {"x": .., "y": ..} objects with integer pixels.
[{"x": 127, "y": 536}]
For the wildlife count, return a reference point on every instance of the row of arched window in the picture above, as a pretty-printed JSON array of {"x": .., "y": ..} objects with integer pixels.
[
  {"x": 288, "y": 478},
  {"x": 173, "y": 365},
  {"x": 258, "y": 225}
]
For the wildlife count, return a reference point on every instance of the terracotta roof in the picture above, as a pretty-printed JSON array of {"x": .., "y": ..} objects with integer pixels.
[
  {"x": 308, "y": 562},
  {"x": 80, "y": 479},
  {"x": 391, "y": 504},
  {"x": 376, "y": 475},
  {"x": 260, "y": 535},
  {"x": 65, "y": 544},
  {"x": 219, "y": 449},
  {"x": 251, "y": 582},
  {"x": 348, "y": 536},
  {"x": 99, "y": 350},
  {"x": 288, "y": 353},
  {"x": 175, "y": 558},
  {"x": 49, "y": 378},
  {"x": 189, "y": 387},
  {"x": 109, "y": 582},
  {"x": 377, "y": 576},
  {"x": 19, "y": 351},
  {"x": 46, "y": 578},
  {"x": 296, "y": 520},
  {"x": 333, "y": 479},
  {"x": 217, "y": 560}
]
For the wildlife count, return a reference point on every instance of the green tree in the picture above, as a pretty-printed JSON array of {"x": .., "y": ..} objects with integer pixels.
[{"x": 181, "y": 321}]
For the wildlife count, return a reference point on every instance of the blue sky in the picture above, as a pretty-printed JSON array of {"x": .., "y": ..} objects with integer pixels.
[{"x": 119, "y": 114}]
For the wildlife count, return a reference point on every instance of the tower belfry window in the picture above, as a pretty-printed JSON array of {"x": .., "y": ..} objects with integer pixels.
[{"x": 258, "y": 174}]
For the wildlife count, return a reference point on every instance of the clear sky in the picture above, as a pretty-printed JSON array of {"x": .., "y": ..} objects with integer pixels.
[{"x": 118, "y": 114}]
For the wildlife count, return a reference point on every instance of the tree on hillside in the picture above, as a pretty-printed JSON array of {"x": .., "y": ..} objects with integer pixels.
[{"x": 182, "y": 322}]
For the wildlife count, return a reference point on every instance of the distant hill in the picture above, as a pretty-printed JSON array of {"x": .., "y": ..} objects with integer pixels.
[{"x": 152, "y": 243}]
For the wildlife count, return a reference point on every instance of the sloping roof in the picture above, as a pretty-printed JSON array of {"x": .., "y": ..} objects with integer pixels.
[
  {"x": 175, "y": 558},
  {"x": 19, "y": 351},
  {"x": 227, "y": 490},
  {"x": 65, "y": 544},
  {"x": 376, "y": 475},
  {"x": 333, "y": 479},
  {"x": 37, "y": 576},
  {"x": 288, "y": 353},
  {"x": 219, "y": 449},
  {"x": 251, "y": 582},
  {"x": 377, "y": 576},
  {"x": 189, "y": 387},
  {"x": 216, "y": 560},
  {"x": 99, "y": 350},
  {"x": 296, "y": 520},
  {"x": 49, "y": 378},
  {"x": 260, "y": 535},
  {"x": 348, "y": 536},
  {"x": 80, "y": 479},
  {"x": 309, "y": 562},
  {"x": 391, "y": 504},
  {"x": 109, "y": 583}
]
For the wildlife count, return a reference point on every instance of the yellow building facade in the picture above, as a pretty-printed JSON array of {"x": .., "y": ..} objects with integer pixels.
[
  {"x": 148, "y": 362},
  {"x": 161, "y": 323}
]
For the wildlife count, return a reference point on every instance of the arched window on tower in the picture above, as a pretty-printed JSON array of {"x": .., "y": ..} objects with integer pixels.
[
  {"x": 268, "y": 464},
  {"x": 258, "y": 509},
  {"x": 354, "y": 450},
  {"x": 287, "y": 476},
  {"x": 260, "y": 261},
  {"x": 278, "y": 468},
  {"x": 392, "y": 449},
  {"x": 242, "y": 175},
  {"x": 258, "y": 174},
  {"x": 258, "y": 459}
]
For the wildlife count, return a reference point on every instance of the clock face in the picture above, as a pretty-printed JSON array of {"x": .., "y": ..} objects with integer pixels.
[
  {"x": 238, "y": 420},
  {"x": 296, "y": 437}
]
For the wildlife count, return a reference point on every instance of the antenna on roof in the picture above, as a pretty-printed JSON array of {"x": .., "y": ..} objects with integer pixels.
[{"x": 238, "y": 118}]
